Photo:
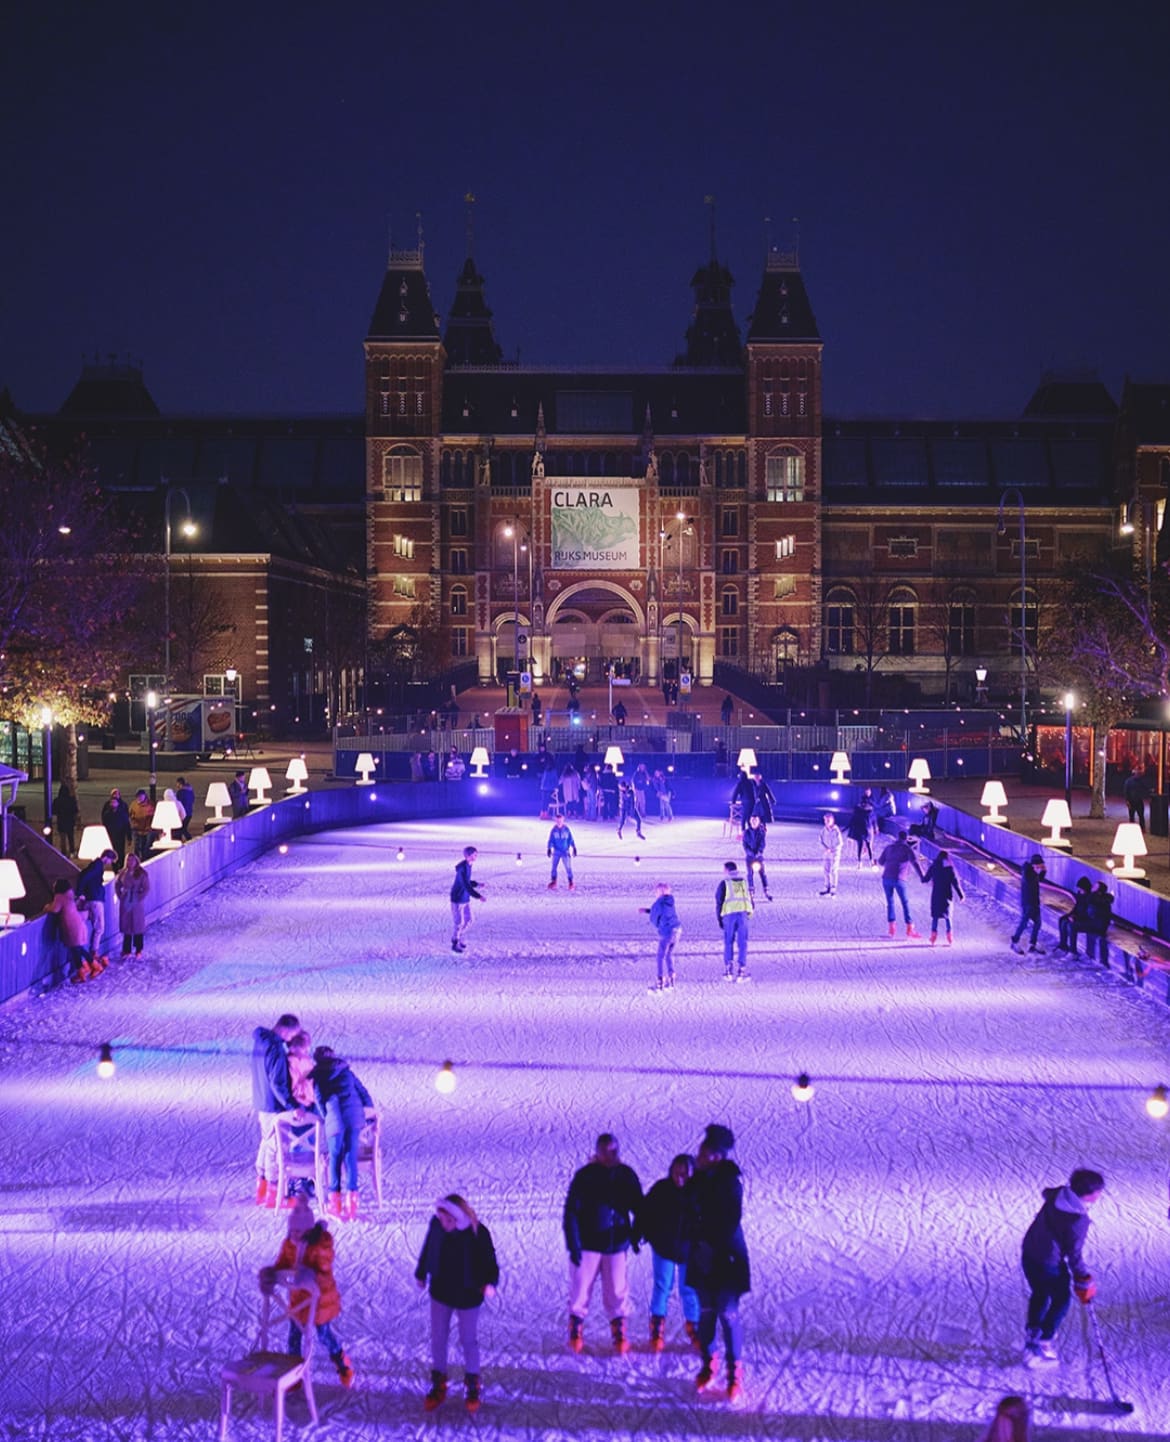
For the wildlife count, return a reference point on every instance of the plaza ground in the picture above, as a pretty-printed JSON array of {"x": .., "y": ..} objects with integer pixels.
[{"x": 883, "y": 1218}]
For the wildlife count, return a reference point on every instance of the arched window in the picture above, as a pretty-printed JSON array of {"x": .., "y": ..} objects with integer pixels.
[
  {"x": 458, "y": 601},
  {"x": 839, "y": 622},
  {"x": 784, "y": 475},
  {"x": 785, "y": 650},
  {"x": 402, "y": 474},
  {"x": 903, "y": 621},
  {"x": 1024, "y": 622}
]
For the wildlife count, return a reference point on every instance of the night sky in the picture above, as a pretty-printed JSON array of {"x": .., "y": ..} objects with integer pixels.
[{"x": 981, "y": 188}]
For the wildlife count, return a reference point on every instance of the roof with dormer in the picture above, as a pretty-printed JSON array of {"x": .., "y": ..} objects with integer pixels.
[
  {"x": 783, "y": 310},
  {"x": 404, "y": 310},
  {"x": 111, "y": 388}
]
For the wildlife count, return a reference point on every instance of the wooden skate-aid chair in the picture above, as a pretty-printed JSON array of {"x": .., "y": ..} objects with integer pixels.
[
  {"x": 289, "y": 1296},
  {"x": 370, "y": 1150},
  {"x": 300, "y": 1152},
  {"x": 733, "y": 826}
]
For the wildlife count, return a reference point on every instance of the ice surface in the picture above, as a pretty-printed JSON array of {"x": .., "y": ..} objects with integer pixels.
[{"x": 883, "y": 1218}]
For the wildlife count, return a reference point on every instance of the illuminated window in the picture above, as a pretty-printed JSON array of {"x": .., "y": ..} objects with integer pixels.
[
  {"x": 784, "y": 476},
  {"x": 402, "y": 475},
  {"x": 404, "y": 547},
  {"x": 785, "y": 547}
]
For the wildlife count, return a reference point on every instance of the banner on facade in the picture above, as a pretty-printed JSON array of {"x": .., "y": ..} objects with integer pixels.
[{"x": 594, "y": 526}]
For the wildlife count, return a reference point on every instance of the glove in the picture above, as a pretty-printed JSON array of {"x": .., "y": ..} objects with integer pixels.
[{"x": 1085, "y": 1288}]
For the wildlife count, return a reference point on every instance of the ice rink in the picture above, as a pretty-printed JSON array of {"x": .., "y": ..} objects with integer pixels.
[{"x": 883, "y": 1218}]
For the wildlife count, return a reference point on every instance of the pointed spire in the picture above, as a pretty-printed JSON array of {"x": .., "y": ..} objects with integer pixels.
[
  {"x": 712, "y": 336},
  {"x": 709, "y": 202},
  {"x": 470, "y": 339}
]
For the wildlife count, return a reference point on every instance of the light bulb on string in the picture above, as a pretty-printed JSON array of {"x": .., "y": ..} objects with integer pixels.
[
  {"x": 1157, "y": 1103},
  {"x": 445, "y": 1079},
  {"x": 283, "y": 848},
  {"x": 637, "y": 861},
  {"x": 401, "y": 853},
  {"x": 519, "y": 859},
  {"x": 802, "y": 1088},
  {"x": 105, "y": 1066}
]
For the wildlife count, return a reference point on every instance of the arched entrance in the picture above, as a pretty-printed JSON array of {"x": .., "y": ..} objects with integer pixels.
[{"x": 593, "y": 625}]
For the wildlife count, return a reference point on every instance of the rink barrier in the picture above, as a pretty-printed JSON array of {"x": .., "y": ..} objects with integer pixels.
[{"x": 33, "y": 959}]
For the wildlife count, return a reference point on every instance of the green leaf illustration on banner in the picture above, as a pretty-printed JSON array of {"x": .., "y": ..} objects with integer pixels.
[{"x": 591, "y": 528}]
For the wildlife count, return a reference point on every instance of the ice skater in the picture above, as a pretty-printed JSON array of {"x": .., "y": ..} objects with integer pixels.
[
  {"x": 1052, "y": 1257},
  {"x": 664, "y": 920},
  {"x": 832, "y": 840},
  {"x": 464, "y": 889},
  {"x": 600, "y": 1216},
  {"x": 733, "y": 910},
  {"x": 341, "y": 1100},
  {"x": 1031, "y": 876},
  {"x": 755, "y": 843},
  {"x": 459, "y": 1258},
  {"x": 862, "y": 826},
  {"x": 664, "y": 1222},
  {"x": 628, "y": 809},
  {"x": 271, "y": 1093},
  {"x": 717, "y": 1266},
  {"x": 1074, "y": 922},
  {"x": 1098, "y": 917},
  {"x": 561, "y": 847},
  {"x": 308, "y": 1243},
  {"x": 897, "y": 861},
  {"x": 130, "y": 887},
  {"x": 945, "y": 887}
]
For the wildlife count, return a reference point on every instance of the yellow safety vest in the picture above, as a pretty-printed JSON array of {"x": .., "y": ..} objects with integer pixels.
[{"x": 735, "y": 897}]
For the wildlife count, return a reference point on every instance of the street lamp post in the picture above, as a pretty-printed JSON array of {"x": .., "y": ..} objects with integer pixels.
[
  {"x": 187, "y": 528},
  {"x": 47, "y": 724},
  {"x": 151, "y": 703},
  {"x": 1070, "y": 702},
  {"x": 1019, "y": 495},
  {"x": 514, "y": 531}
]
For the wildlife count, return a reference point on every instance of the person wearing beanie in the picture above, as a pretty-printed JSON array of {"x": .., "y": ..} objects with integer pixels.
[
  {"x": 599, "y": 1222},
  {"x": 717, "y": 1265},
  {"x": 1030, "y": 878},
  {"x": 460, "y": 1260},
  {"x": 308, "y": 1243},
  {"x": 1053, "y": 1261}
]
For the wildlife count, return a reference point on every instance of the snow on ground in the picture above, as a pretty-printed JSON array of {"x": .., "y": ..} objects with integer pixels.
[{"x": 883, "y": 1219}]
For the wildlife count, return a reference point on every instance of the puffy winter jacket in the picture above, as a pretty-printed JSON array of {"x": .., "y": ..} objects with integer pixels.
[
  {"x": 460, "y": 1264},
  {"x": 341, "y": 1098},
  {"x": 718, "y": 1260},
  {"x": 600, "y": 1209},
  {"x": 314, "y": 1251},
  {"x": 1058, "y": 1232}
]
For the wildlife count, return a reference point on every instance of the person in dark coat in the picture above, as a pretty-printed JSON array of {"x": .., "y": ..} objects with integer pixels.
[
  {"x": 463, "y": 889},
  {"x": 717, "y": 1266},
  {"x": 1135, "y": 792},
  {"x": 755, "y": 842},
  {"x": 628, "y": 809},
  {"x": 861, "y": 826},
  {"x": 945, "y": 887},
  {"x": 897, "y": 861},
  {"x": 1030, "y": 878},
  {"x": 1053, "y": 1261},
  {"x": 600, "y": 1216},
  {"x": 1098, "y": 916},
  {"x": 725, "y": 709},
  {"x": 116, "y": 820},
  {"x": 459, "y": 1258},
  {"x": 764, "y": 803},
  {"x": 341, "y": 1101},
  {"x": 185, "y": 795},
  {"x": 744, "y": 794},
  {"x": 65, "y": 814},
  {"x": 238, "y": 791},
  {"x": 663, "y": 1221},
  {"x": 90, "y": 890},
  {"x": 271, "y": 1093},
  {"x": 1072, "y": 923}
]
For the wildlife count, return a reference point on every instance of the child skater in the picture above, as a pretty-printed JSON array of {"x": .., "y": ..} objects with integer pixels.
[
  {"x": 309, "y": 1244},
  {"x": 1053, "y": 1262},
  {"x": 460, "y": 1260},
  {"x": 944, "y": 888},
  {"x": 664, "y": 920},
  {"x": 663, "y": 1219},
  {"x": 1011, "y": 1422},
  {"x": 342, "y": 1101}
]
